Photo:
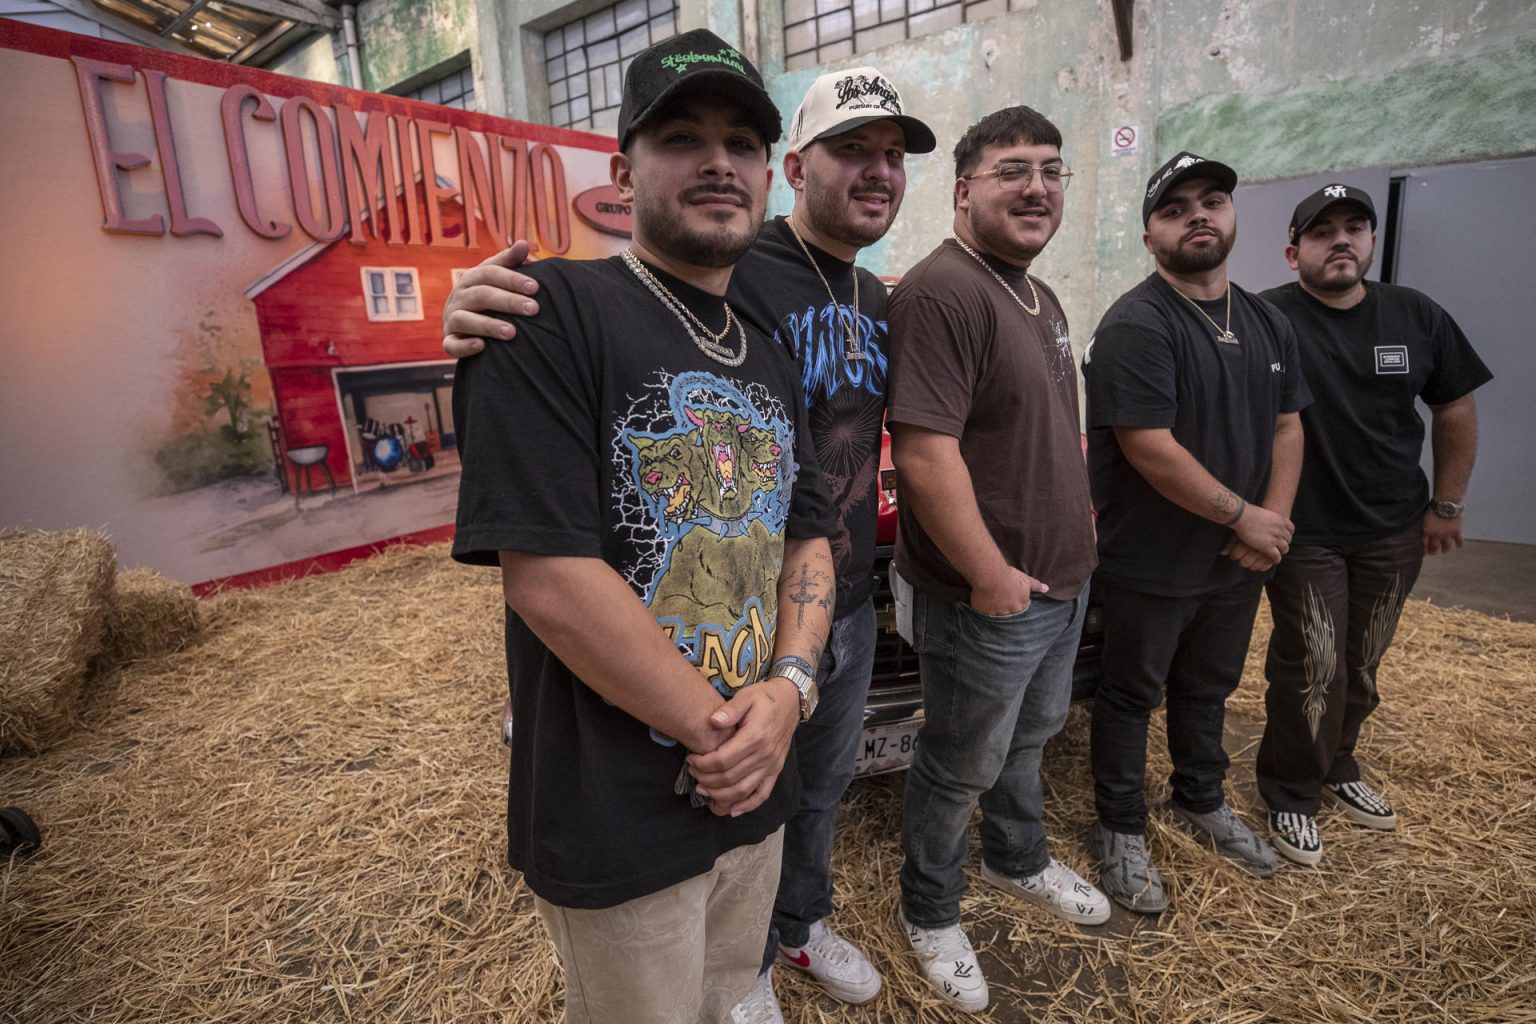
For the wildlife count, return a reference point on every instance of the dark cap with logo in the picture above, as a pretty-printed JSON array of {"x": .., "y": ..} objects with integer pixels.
[
  {"x": 697, "y": 62},
  {"x": 1180, "y": 169},
  {"x": 1313, "y": 207}
]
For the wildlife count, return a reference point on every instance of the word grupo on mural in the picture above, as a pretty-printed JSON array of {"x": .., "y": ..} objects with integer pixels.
[{"x": 347, "y": 170}]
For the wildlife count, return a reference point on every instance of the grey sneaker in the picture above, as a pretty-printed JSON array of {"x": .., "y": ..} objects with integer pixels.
[
  {"x": 1126, "y": 870},
  {"x": 1232, "y": 839}
]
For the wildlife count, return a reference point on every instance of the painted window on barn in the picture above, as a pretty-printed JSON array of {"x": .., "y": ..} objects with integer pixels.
[
  {"x": 585, "y": 60},
  {"x": 818, "y": 31},
  {"x": 392, "y": 293}
]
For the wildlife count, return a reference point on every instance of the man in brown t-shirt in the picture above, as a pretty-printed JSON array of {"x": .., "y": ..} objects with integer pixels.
[{"x": 996, "y": 541}]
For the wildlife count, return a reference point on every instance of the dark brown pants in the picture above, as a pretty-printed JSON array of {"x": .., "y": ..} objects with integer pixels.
[{"x": 1335, "y": 610}]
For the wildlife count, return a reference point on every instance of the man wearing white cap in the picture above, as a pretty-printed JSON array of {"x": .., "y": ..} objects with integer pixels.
[{"x": 847, "y": 145}]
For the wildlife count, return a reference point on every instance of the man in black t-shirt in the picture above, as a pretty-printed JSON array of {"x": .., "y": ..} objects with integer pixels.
[
  {"x": 847, "y": 145},
  {"x": 639, "y": 467},
  {"x": 1194, "y": 447},
  {"x": 1365, "y": 513}
]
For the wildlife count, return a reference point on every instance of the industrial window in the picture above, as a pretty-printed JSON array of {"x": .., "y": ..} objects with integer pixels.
[
  {"x": 818, "y": 31},
  {"x": 585, "y": 60},
  {"x": 453, "y": 89},
  {"x": 392, "y": 293}
]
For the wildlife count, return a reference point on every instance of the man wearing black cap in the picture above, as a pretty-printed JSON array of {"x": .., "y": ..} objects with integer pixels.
[
  {"x": 1365, "y": 513},
  {"x": 1194, "y": 447},
  {"x": 847, "y": 146},
  {"x": 639, "y": 466}
]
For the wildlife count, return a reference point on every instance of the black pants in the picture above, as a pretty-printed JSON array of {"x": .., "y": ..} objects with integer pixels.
[
  {"x": 1335, "y": 611},
  {"x": 1194, "y": 648}
]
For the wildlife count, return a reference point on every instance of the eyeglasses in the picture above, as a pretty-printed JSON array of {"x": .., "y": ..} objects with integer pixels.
[{"x": 1015, "y": 177}]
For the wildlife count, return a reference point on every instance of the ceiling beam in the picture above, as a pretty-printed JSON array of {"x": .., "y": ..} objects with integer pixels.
[
  {"x": 308, "y": 12},
  {"x": 184, "y": 18},
  {"x": 122, "y": 26}
]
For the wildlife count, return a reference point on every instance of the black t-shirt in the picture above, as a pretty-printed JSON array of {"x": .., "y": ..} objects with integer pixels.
[
  {"x": 605, "y": 433},
  {"x": 1154, "y": 362},
  {"x": 1364, "y": 366},
  {"x": 776, "y": 289}
]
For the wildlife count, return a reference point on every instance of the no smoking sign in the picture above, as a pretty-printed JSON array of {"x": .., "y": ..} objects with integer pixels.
[{"x": 1125, "y": 140}]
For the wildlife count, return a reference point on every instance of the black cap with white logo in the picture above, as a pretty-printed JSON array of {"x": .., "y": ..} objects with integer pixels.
[
  {"x": 1313, "y": 207},
  {"x": 1180, "y": 169},
  {"x": 697, "y": 62}
]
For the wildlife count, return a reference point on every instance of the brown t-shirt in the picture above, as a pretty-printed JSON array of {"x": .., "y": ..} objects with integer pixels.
[{"x": 967, "y": 361}]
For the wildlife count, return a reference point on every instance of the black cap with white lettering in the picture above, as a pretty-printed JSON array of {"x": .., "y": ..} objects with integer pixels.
[
  {"x": 1181, "y": 168},
  {"x": 694, "y": 62},
  {"x": 1312, "y": 207}
]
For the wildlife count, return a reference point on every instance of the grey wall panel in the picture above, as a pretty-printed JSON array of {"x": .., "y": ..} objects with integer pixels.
[
  {"x": 1264, "y": 213},
  {"x": 1467, "y": 237}
]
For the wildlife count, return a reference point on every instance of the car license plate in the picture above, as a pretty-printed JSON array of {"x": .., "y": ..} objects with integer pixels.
[{"x": 886, "y": 748}]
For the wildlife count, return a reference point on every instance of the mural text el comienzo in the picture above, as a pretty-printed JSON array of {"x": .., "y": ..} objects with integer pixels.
[{"x": 361, "y": 166}]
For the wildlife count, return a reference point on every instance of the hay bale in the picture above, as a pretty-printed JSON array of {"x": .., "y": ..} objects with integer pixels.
[
  {"x": 55, "y": 590},
  {"x": 151, "y": 615}
]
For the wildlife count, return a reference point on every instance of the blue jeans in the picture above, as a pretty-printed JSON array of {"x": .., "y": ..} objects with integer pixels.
[
  {"x": 995, "y": 689},
  {"x": 825, "y": 750}
]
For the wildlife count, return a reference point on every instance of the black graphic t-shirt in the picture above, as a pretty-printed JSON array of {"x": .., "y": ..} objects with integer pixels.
[
  {"x": 1365, "y": 365},
  {"x": 1154, "y": 362},
  {"x": 605, "y": 433},
  {"x": 776, "y": 288}
]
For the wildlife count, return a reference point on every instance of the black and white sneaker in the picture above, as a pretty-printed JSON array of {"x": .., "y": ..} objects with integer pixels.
[
  {"x": 1361, "y": 804},
  {"x": 1295, "y": 837}
]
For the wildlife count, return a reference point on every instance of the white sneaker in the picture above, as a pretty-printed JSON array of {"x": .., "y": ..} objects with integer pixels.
[
  {"x": 759, "y": 1006},
  {"x": 838, "y": 965},
  {"x": 949, "y": 963},
  {"x": 1058, "y": 889}
]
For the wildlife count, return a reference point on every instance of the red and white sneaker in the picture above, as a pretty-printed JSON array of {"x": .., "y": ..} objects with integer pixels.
[{"x": 838, "y": 965}]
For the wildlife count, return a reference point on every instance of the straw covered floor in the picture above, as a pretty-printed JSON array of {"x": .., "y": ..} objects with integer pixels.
[{"x": 299, "y": 818}]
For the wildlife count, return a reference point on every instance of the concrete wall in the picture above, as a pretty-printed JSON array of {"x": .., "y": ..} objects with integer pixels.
[
  {"x": 314, "y": 60},
  {"x": 1278, "y": 88},
  {"x": 403, "y": 38}
]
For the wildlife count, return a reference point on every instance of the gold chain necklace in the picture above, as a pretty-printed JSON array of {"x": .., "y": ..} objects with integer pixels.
[
  {"x": 999, "y": 277},
  {"x": 711, "y": 347},
  {"x": 1223, "y": 334},
  {"x": 853, "y": 352}
]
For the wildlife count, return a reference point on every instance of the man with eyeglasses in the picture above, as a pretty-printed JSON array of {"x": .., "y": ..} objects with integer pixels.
[
  {"x": 1194, "y": 438},
  {"x": 996, "y": 543}
]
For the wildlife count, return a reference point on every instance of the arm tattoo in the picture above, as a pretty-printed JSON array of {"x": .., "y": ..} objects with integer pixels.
[
  {"x": 808, "y": 589},
  {"x": 1223, "y": 504}
]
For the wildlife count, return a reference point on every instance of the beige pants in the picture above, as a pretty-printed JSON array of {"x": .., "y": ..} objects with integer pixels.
[{"x": 684, "y": 955}]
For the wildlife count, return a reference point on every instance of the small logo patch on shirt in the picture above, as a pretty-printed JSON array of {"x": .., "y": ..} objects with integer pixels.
[{"x": 1391, "y": 359}]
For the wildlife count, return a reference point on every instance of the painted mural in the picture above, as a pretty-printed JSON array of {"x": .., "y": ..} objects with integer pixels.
[{"x": 223, "y": 298}]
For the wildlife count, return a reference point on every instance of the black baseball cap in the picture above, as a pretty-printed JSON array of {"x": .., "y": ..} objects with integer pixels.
[
  {"x": 1181, "y": 168},
  {"x": 694, "y": 62},
  {"x": 1313, "y": 207}
]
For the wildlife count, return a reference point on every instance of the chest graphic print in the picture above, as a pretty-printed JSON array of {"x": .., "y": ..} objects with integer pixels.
[{"x": 704, "y": 470}]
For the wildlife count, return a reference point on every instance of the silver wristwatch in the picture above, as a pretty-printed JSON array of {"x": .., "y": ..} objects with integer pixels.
[
  {"x": 805, "y": 683},
  {"x": 1446, "y": 509}
]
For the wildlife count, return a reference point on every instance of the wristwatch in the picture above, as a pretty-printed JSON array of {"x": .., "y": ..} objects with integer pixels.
[
  {"x": 793, "y": 670},
  {"x": 1446, "y": 509}
]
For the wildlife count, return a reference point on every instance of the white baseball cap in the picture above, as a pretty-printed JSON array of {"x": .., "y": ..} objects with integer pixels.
[{"x": 841, "y": 101}]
